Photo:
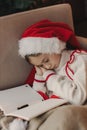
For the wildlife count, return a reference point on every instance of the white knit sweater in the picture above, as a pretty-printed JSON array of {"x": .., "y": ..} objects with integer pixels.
[{"x": 70, "y": 79}]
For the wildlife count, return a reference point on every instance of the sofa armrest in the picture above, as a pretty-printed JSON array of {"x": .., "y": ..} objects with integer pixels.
[{"x": 82, "y": 41}]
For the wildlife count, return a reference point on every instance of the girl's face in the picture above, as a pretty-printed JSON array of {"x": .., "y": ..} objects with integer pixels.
[{"x": 47, "y": 61}]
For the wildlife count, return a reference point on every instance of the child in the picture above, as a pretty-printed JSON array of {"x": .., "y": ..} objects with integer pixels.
[{"x": 59, "y": 72}]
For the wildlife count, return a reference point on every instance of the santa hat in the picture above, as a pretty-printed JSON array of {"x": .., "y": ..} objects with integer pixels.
[{"x": 46, "y": 37}]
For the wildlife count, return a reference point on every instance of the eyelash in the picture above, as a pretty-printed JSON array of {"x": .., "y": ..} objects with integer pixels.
[{"x": 45, "y": 61}]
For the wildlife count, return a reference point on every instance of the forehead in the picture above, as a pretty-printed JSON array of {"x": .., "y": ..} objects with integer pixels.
[{"x": 37, "y": 60}]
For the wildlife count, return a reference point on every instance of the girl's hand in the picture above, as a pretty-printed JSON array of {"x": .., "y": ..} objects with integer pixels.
[
  {"x": 40, "y": 71},
  {"x": 43, "y": 70}
]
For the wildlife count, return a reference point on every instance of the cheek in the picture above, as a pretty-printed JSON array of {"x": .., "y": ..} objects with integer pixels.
[
  {"x": 34, "y": 60},
  {"x": 52, "y": 61}
]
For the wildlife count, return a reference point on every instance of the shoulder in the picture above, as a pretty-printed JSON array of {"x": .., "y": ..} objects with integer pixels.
[
  {"x": 77, "y": 62},
  {"x": 77, "y": 55}
]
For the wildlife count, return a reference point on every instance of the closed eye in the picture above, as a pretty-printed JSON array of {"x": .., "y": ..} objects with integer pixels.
[
  {"x": 39, "y": 65},
  {"x": 43, "y": 62},
  {"x": 46, "y": 60}
]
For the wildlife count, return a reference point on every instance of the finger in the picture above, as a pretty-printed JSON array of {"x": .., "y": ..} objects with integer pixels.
[
  {"x": 38, "y": 70},
  {"x": 43, "y": 69}
]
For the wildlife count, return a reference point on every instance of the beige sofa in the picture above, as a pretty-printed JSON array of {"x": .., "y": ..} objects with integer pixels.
[{"x": 13, "y": 69}]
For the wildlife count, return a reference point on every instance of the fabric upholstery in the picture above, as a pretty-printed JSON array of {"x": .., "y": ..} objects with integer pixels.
[{"x": 13, "y": 69}]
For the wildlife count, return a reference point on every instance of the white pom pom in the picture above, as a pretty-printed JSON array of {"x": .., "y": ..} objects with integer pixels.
[{"x": 18, "y": 124}]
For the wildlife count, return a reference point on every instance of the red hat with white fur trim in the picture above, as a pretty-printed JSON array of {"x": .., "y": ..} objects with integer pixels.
[{"x": 46, "y": 37}]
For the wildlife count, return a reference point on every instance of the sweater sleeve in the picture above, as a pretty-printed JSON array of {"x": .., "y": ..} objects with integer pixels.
[
  {"x": 39, "y": 84},
  {"x": 75, "y": 90}
]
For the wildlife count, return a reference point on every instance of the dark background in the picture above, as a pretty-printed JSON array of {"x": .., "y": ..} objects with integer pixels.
[{"x": 79, "y": 10}]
